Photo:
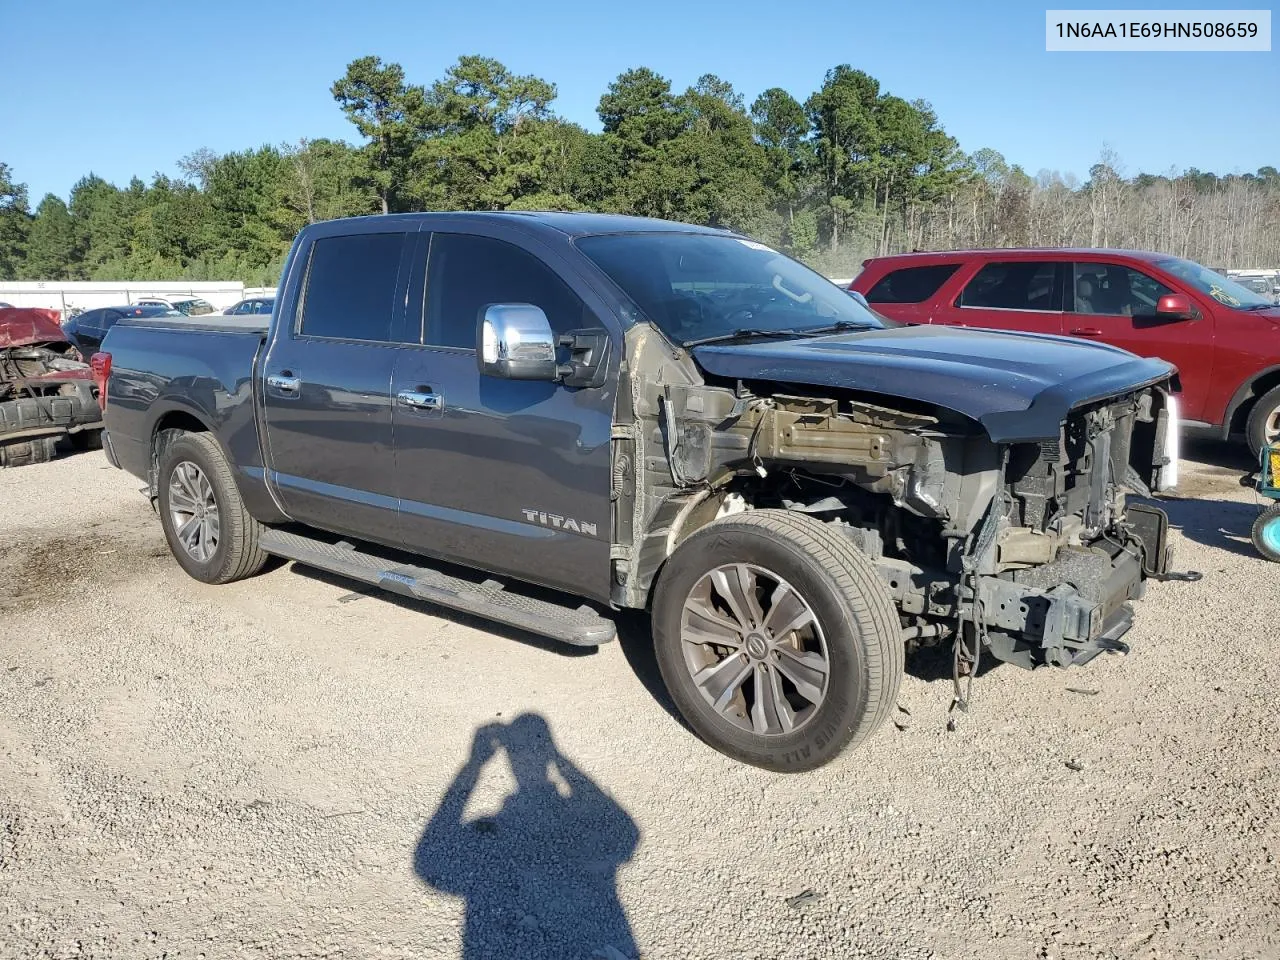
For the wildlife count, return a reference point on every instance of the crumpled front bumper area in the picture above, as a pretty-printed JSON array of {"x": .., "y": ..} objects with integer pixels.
[
  {"x": 1067, "y": 612},
  {"x": 30, "y": 425}
]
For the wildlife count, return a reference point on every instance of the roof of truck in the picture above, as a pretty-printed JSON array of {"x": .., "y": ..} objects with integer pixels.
[{"x": 571, "y": 224}]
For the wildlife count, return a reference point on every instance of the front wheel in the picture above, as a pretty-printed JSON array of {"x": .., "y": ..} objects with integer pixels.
[
  {"x": 1263, "y": 427},
  {"x": 1266, "y": 533},
  {"x": 776, "y": 639},
  {"x": 210, "y": 533}
]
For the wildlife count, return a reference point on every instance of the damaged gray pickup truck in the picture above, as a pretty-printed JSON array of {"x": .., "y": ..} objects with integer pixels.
[{"x": 492, "y": 412}]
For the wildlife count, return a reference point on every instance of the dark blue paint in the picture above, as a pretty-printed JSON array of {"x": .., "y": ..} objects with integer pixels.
[
  {"x": 1019, "y": 386},
  {"x": 342, "y": 456}
]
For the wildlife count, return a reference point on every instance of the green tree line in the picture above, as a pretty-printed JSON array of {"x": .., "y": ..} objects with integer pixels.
[{"x": 849, "y": 172}]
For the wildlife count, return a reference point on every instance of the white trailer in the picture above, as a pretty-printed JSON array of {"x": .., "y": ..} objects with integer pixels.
[{"x": 67, "y": 296}]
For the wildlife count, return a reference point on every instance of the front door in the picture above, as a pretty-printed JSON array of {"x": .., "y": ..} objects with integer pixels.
[
  {"x": 1010, "y": 295},
  {"x": 1116, "y": 304},
  {"x": 327, "y": 385},
  {"x": 503, "y": 475}
]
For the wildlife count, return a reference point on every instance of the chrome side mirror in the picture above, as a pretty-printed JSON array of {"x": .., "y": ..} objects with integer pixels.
[{"x": 514, "y": 341}]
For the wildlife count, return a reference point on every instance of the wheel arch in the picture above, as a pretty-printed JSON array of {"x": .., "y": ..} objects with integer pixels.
[
  {"x": 1242, "y": 402},
  {"x": 174, "y": 414}
]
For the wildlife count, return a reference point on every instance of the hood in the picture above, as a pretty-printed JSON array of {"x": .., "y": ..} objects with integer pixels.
[
  {"x": 21, "y": 326},
  {"x": 1019, "y": 386},
  {"x": 1272, "y": 314}
]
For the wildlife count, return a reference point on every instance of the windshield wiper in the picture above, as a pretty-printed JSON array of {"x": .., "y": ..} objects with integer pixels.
[
  {"x": 1258, "y": 306},
  {"x": 743, "y": 334},
  {"x": 840, "y": 325}
]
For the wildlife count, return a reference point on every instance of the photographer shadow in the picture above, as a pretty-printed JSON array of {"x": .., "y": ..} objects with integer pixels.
[{"x": 539, "y": 877}]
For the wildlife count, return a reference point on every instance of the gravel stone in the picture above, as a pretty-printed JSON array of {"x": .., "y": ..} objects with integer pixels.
[{"x": 270, "y": 769}]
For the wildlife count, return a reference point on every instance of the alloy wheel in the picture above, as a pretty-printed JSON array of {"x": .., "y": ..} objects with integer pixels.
[
  {"x": 193, "y": 511},
  {"x": 755, "y": 649}
]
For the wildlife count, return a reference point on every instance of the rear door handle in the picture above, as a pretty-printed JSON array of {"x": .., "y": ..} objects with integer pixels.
[
  {"x": 420, "y": 400},
  {"x": 284, "y": 384},
  {"x": 1086, "y": 332}
]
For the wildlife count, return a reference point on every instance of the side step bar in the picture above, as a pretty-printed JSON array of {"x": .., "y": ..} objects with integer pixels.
[{"x": 581, "y": 626}]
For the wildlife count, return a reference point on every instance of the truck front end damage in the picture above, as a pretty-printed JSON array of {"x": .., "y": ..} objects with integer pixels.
[
  {"x": 1026, "y": 548},
  {"x": 45, "y": 389}
]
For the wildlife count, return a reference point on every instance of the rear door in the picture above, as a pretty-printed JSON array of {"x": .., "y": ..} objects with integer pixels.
[
  {"x": 326, "y": 382},
  {"x": 504, "y": 475},
  {"x": 1115, "y": 303},
  {"x": 91, "y": 329},
  {"x": 85, "y": 331},
  {"x": 1009, "y": 295}
]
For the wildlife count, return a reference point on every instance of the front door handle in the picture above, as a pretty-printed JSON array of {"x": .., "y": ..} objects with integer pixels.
[
  {"x": 1086, "y": 332},
  {"x": 285, "y": 383},
  {"x": 420, "y": 400}
]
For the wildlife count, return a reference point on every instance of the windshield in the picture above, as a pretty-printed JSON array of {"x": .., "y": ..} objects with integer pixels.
[
  {"x": 694, "y": 286},
  {"x": 1223, "y": 289}
]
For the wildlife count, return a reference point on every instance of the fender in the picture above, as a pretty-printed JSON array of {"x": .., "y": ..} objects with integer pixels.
[
  {"x": 1240, "y": 396},
  {"x": 250, "y": 480}
]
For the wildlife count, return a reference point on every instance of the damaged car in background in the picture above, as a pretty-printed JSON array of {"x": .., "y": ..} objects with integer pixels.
[
  {"x": 46, "y": 390},
  {"x": 656, "y": 416}
]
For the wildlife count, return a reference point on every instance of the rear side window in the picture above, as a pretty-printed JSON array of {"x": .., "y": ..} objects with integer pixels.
[
  {"x": 1016, "y": 285},
  {"x": 911, "y": 284},
  {"x": 351, "y": 287},
  {"x": 466, "y": 273}
]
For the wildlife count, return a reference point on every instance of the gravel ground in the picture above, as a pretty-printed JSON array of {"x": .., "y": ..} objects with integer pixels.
[{"x": 282, "y": 768}]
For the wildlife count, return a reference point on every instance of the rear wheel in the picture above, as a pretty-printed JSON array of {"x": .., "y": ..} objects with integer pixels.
[
  {"x": 209, "y": 530},
  {"x": 1266, "y": 533},
  {"x": 776, "y": 639},
  {"x": 1263, "y": 427}
]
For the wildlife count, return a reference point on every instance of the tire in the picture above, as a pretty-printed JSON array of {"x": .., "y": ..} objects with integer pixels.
[
  {"x": 22, "y": 453},
  {"x": 1263, "y": 426},
  {"x": 225, "y": 547},
  {"x": 1266, "y": 533},
  {"x": 853, "y": 621}
]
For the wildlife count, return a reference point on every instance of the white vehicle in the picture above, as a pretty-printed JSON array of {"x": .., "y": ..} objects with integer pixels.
[
  {"x": 1265, "y": 282},
  {"x": 71, "y": 296},
  {"x": 190, "y": 306}
]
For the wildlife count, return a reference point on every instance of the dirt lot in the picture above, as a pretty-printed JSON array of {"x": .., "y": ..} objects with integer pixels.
[{"x": 285, "y": 768}]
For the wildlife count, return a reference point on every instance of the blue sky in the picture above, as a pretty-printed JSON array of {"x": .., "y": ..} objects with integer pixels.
[{"x": 128, "y": 88}]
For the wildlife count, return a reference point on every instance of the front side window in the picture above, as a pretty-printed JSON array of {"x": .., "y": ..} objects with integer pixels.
[
  {"x": 351, "y": 287},
  {"x": 1110, "y": 289},
  {"x": 1016, "y": 285},
  {"x": 911, "y": 284},
  {"x": 693, "y": 286},
  {"x": 467, "y": 273}
]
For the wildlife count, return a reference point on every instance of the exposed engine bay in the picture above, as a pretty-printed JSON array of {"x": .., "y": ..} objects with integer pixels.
[{"x": 1028, "y": 550}]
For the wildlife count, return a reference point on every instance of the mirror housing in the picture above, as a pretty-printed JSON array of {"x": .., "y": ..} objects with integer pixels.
[
  {"x": 514, "y": 341},
  {"x": 860, "y": 298},
  {"x": 1175, "y": 306}
]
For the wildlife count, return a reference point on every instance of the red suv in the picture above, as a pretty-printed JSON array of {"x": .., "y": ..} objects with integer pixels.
[{"x": 1223, "y": 338}]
